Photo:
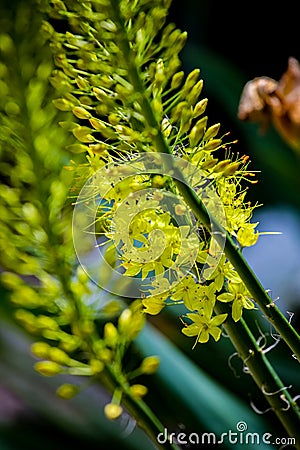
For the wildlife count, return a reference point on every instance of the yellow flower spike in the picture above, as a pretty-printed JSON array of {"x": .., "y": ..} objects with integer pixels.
[
  {"x": 149, "y": 365},
  {"x": 67, "y": 391},
  {"x": 112, "y": 411},
  {"x": 48, "y": 368},
  {"x": 138, "y": 390}
]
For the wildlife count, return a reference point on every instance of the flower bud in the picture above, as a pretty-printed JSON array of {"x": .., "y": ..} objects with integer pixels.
[
  {"x": 177, "y": 79},
  {"x": 96, "y": 366},
  {"x": 138, "y": 390},
  {"x": 110, "y": 334},
  {"x": 59, "y": 356},
  {"x": 197, "y": 132},
  {"x": 81, "y": 113},
  {"x": 83, "y": 134},
  {"x": 40, "y": 349},
  {"x": 150, "y": 365},
  {"x": 200, "y": 108},
  {"x": 213, "y": 144},
  {"x": 222, "y": 165},
  {"x": 67, "y": 391},
  {"x": 195, "y": 92},
  {"x": 77, "y": 148},
  {"x": 159, "y": 74},
  {"x": 47, "y": 368},
  {"x": 211, "y": 132},
  {"x": 112, "y": 411},
  {"x": 231, "y": 169}
]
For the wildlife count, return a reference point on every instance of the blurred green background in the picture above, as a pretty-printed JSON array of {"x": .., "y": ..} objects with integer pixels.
[{"x": 204, "y": 389}]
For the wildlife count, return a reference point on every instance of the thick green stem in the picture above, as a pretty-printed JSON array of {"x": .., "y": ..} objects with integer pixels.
[
  {"x": 274, "y": 315},
  {"x": 262, "y": 373}
]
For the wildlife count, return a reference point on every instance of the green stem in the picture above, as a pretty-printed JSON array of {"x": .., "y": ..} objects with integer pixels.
[
  {"x": 262, "y": 372},
  {"x": 274, "y": 315},
  {"x": 139, "y": 410}
]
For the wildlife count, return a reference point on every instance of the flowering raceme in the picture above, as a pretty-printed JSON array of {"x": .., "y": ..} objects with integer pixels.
[{"x": 127, "y": 90}]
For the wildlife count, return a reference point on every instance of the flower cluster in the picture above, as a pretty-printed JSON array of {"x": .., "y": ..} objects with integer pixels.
[{"x": 118, "y": 70}]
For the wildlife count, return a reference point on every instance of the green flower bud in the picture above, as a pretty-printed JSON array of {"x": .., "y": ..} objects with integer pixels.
[
  {"x": 46, "y": 322},
  {"x": 138, "y": 390},
  {"x": 40, "y": 349},
  {"x": 31, "y": 214},
  {"x": 81, "y": 113},
  {"x": 197, "y": 132},
  {"x": 112, "y": 411},
  {"x": 62, "y": 104},
  {"x": 82, "y": 83},
  {"x": 150, "y": 365},
  {"x": 177, "y": 79},
  {"x": 83, "y": 134},
  {"x": 10, "y": 280},
  {"x": 67, "y": 391},
  {"x": 213, "y": 144},
  {"x": 124, "y": 322},
  {"x": 211, "y": 132},
  {"x": 48, "y": 368},
  {"x": 96, "y": 366},
  {"x": 231, "y": 169},
  {"x": 195, "y": 92},
  {"x": 200, "y": 108},
  {"x": 77, "y": 148},
  {"x": 222, "y": 165},
  {"x": 159, "y": 74},
  {"x": 110, "y": 334},
  {"x": 59, "y": 356},
  {"x": 190, "y": 81},
  {"x": 177, "y": 110},
  {"x": 209, "y": 163},
  {"x": 108, "y": 25}
]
